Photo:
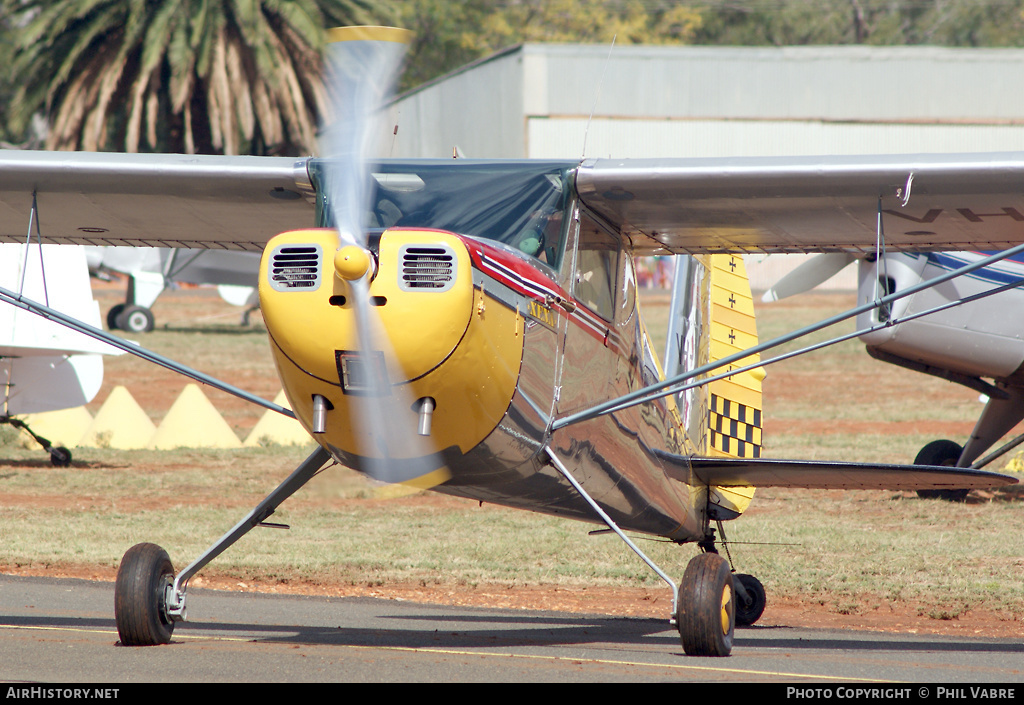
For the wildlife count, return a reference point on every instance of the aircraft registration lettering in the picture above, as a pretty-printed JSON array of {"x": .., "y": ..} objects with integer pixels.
[
  {"x": 541, "y": 313},
  {"x": 967, "y": 213}
]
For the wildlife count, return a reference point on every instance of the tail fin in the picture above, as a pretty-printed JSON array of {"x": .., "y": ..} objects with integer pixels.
[
  {"x": 734, "y": 409},
  {"x": 712, "y": 317},
  {"x": 734, "y": 403}
]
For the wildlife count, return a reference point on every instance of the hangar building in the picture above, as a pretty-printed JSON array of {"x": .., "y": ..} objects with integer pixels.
[{"x": 571, "y": 101}]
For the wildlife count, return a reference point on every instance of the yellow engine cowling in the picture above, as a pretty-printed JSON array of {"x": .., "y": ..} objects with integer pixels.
[{"x": 435, "y": 339}]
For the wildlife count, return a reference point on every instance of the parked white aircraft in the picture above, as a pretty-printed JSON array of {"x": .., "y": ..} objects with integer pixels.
[
  {"x": 44, "y": 366},
  {"x": 151, "y": 270},
  {"x": 977, "y": 344}
]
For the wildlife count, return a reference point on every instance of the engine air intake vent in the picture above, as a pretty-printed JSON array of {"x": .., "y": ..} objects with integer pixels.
[
  {"x": 295, "y": 268},
  {"x": 426, "y": 268}
]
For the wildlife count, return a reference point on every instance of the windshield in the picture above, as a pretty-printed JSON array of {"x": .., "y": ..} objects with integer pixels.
[{"x": 518, "y": 203}]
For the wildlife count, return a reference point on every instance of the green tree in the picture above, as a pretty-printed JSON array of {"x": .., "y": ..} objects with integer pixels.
[
  {"x": 444, "y": 36},
  {"x": 6, "y": 83},
  {"x": 879, "y": 22},
  {"x": 450, "y": 35},
  {"x": 194, "y": 76}
]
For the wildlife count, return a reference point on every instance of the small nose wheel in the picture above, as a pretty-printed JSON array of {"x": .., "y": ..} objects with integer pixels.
[{"x": 140, "y": 602}]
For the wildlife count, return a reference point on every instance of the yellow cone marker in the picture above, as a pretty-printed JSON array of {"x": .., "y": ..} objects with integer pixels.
[
  {"x": 120, "y": 423},
  {"x": 276, "y": 428},
  {"x": 64, "y": 427},
  {"x": 193, "y": 422}
]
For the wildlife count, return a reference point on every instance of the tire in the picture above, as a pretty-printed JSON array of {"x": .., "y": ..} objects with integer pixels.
[
  {"x": 112, "y": 315},
  {"x": 707, "y": 607},
  {"x": 136, "y": 319},
  {"x": 139, "y": 602},
  {"x": 60, "y": 457},
  {"x": 748, "y": 613},
  {"x": 945, "y": 453}
]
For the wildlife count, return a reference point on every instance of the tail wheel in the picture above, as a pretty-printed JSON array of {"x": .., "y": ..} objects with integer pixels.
[
  {"x": 60, "y": 457},
  {"x": 139, "y": 596},
  {"x": 945, "y": 453},
  {"x": 707, "y": 607},
  {"x": 750, "y": 610}
]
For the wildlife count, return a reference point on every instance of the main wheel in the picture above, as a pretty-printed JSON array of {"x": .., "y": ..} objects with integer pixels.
[
  {"x": 136, "y": 319},
  {"x": 945, "y": 453},
  {"x": 707, "y": 608},
  {"x": 115, "y": 311},
  {"x": 749, "y": 611},
  {"x": 139, "y": 596}
]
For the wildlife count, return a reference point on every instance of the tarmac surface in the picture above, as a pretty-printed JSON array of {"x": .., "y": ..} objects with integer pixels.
[{"x": 62, "y": 631}]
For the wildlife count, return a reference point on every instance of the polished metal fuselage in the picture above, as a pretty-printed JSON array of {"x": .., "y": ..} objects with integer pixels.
[{"x": 572, "y": 360}]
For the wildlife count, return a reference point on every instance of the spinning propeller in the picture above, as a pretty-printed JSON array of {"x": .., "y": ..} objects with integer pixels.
[{"x": 390, "y": 428}]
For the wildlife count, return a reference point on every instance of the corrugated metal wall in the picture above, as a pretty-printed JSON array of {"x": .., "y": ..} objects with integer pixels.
[
  {"x": 535, "y": 101},
  {"x": 479, "y": 109},
  {"x": 638, "y": 138},
  {"x": 830, "y": 83}
]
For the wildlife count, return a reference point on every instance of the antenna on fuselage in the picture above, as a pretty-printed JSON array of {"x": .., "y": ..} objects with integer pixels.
[{"x": 600, "y": 85}]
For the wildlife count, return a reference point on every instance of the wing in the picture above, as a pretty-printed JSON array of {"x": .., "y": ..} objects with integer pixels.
[
  {"x": 804, "y": 204},
  {"x": 161, "y": 200},
  {"x": 729, "y": 472}
]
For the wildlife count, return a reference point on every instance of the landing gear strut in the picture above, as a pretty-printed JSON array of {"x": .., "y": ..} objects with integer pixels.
[
  {"x": 705, "y": 606},
  {"x": 59, "y": 455},
  {"x": 149, "y": 598}
]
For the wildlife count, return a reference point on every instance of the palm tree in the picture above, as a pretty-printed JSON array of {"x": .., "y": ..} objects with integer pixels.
[{"x": 192, "y": 76}]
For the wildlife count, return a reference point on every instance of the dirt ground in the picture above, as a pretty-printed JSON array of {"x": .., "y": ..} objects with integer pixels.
[{"x": 156, "y": 393}]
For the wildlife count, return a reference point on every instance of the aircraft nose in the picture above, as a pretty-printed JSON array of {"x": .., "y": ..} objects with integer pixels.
[
  {"x": 418, "y": 306},
  {"x": 441, "y": 357}
]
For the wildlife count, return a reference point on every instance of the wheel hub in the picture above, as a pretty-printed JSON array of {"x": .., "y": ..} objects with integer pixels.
[{"x": 726, "y": 601}]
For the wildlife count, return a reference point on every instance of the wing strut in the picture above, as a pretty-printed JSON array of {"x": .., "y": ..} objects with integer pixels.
[
  {"x": 33, "y": 219},
  {"x": 74, "y": 324},
  {"x": 998, "y": 393},
  {"x": 676, "y": 384}
]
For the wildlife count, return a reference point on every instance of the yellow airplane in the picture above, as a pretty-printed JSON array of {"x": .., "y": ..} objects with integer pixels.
[{"x": 472, "y": 326}]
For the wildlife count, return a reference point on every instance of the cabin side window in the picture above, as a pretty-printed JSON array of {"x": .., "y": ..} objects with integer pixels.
[{"x": 596, "y": 268}]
